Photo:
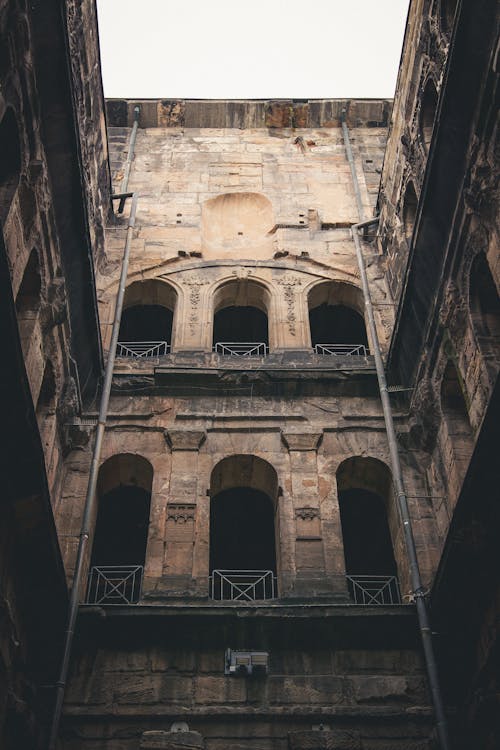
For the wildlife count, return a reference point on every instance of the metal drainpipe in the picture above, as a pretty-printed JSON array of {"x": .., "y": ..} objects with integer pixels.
[
  {"x": 416, "y": 580},
  {"x": 130, "y": 156},
  {"x": 90, "y": 500}
]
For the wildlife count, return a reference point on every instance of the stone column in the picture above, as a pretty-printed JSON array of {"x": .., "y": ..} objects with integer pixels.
[
  {"x": 311, "y": 578},
  {"x": 177, "y": 574}
]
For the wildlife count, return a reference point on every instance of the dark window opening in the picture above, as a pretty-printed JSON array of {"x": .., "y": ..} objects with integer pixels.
[
  {"x": 242, "y": 531},
  {"x": 122, "y": 527},
  {"x": 121, "y": 530},
  {"x": 10, "y": 163},
  {"x": 484, "y": 300},
  {"x": 336, "y": 324},
  {"x": 146, "y": 323},
  {"x": 409, "y": 211},
  {"x": 240, "y": 325},
  {"x": 428, "y": 113},
  {"x": 367, "y": 540}
]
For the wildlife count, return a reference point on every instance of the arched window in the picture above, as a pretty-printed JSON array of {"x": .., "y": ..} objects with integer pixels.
[
  {"x": 458, "y": 433},
  {"x": 28, "y": 299},
  {"x": 409, "y": 211},
  {"x": 147, "y": 319},
  {"x": 335, "y": 319},
  {"x": 121, "y": 530},
  {"x": 10, "y": 163},
  {"x": 484, "y": 303},
  {"x": 243, "y": 491},
  {"x": 240, "y": 319},
  {"x": 428, "y": 112},
  {"x": 364, "y": 492}
]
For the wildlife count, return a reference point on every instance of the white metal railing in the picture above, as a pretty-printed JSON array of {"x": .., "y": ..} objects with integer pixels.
[
  {"x": 142, "y": 348},
  {"x": 366, "y": 589},
  {"x": 341, "y": 349},
  {"x": 246, "y": 349},
  {"x": 114, "y": 584},
  {"x": 242, "y": 585}
]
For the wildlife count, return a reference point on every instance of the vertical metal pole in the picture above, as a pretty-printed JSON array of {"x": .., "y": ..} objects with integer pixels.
[
  {"x": 402, "y": 500},
  {"x": 90, "y": 500},
  {"x": 350, "y": 159},
  {"x": 416, "y": 581},
  {"x": 130, "y": 156}
]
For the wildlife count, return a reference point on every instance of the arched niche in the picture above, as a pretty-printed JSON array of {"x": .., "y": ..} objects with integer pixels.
[
  {"x": 28, "y": 298},
  {"x": 148, "y": 316},
  {"x": 484, "y": 305},
  {"x": 10, "y": 163},
  {"x": 336, "y": 317},
  {"x": 409, "y": 215},
  {"x": 121, "y": 531},
  {"x": 233, "y": 223},
  {"x": 243, "y": 494},
  {"x": 241, "y": 313},
  {"x": 366, "y": 514},
  {"x": 428, "y": 112}
]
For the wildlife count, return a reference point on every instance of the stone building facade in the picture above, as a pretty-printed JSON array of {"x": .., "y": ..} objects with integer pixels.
[
  {"x": 54, "y": 194},
  {"x": 248, "y": 582},
  {"x": 254, "y": 410}
]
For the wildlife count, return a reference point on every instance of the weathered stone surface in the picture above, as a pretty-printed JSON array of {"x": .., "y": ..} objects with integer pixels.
[{"x": 159, "y": 740}]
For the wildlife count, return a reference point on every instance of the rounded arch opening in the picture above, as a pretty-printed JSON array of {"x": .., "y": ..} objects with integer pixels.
[
  {"x": 409, "y": 211},
  {"x": 10, "y": 163},
  {"x": 243, "y": 492},
  {"x": 336, "y": 320},
  {"x": 428, "y": 112},
  {"x": 241, "y": 315},
  {"x": 484, "y": 303},
  {"x": 147, "y": 317},
  {"x": 364, "y": 493},
  {"x": 121, "y": 531}
]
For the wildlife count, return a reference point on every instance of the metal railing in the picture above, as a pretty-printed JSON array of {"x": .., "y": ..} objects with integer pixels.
[
  {"x": 114, "y": 584},
  {"x": 142, "y": 348},
  {"x": 365, "y": 589},
  {"x": 341, "y": 349},
  {"x": 246, "y": 349},
  {"x": 242, "y": 585}
]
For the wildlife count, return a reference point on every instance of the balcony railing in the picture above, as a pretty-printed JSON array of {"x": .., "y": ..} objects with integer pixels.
[
  {"x": 246, "y": 349},
  {"x": 242, "y": 585},
  {"x": 365, "y": 589},
  {"x": 114, "y": 584},
  {"x": 341, "y": 350},
  {"x": 140, "y": 349}
]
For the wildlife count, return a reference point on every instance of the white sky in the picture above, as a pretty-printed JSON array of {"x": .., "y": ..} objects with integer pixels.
[{"x": 229, "y": 49}]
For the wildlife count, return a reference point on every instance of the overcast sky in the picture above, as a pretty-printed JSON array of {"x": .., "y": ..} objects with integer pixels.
[{"x": 255, "y": 49}]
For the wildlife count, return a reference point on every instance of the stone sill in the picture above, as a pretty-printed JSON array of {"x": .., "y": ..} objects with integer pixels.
[
  {"x": 366, "y": 711},
  {"x": 236, "y": 609},
  {"x": 285, "y": 361}
]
